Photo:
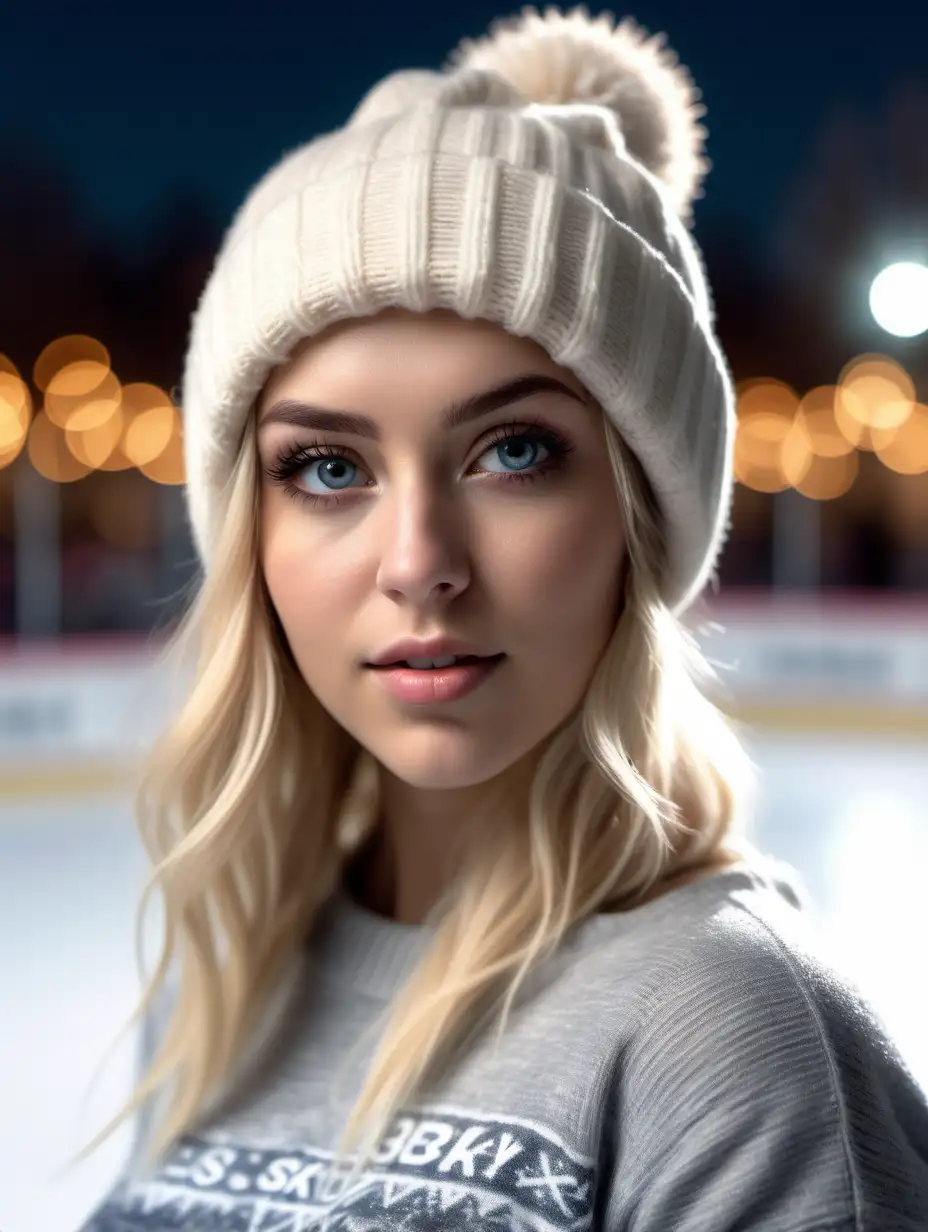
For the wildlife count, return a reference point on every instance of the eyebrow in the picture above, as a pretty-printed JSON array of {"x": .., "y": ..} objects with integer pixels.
[{"x": 305, "y": 415}]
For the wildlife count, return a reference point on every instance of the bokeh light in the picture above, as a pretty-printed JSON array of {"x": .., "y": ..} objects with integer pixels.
[
  {"x": 849, "y": 416},
  {"x": 876, "y": 393},
  {"x": 135, "y": 400},
  {"x": 827, "y": 478},
  {"x": 152, "y": 425},
  {"x": 168, "y": 466},
  {"x": 899, "y": 299},
  {"x": 15, "y": 416},
  {"x": 49, "y": 452},
  {"x": 82, "y": 395},
  {"x": 71, "y": 349},
  {"x": 767, "y": 412},
  {"x": 97, "y": 446},
  {"x": 907, "y": 452},
  {"x": 818, "y": 415},
  {"x": 796, "y": 453}
]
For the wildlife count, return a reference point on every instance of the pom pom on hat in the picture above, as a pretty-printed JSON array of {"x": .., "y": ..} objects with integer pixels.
[{"x": 573, "y": 58}]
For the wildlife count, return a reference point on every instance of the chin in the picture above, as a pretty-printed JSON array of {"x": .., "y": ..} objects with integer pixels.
[{"x": 443, "y": 761}]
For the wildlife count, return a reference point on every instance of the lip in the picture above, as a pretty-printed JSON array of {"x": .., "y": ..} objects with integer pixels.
[
  {"x": 429, "y": 686},
  {"x": 434, "y": 648}
]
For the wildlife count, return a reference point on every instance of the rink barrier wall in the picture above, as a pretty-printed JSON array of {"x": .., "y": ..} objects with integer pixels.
[{"x": 76, "y": 717}]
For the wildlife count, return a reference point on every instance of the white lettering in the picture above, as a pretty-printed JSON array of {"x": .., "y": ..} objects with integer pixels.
[
  {"x": 508, "y": 1148},
  {"x": 463, "y": 1153},
  {"x": 212, "y": 1166},
  {"x": 426, "y": 1143},
  {"x": 278, "y": 1173},
  {"x": 299, "y": 1184},
  {"x": 390, "y": 1147}
]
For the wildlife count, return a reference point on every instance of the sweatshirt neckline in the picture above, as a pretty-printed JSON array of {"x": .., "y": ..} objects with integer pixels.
[
  {"x": 373, "y": 954},
  {"x": 352, "y": 946}
]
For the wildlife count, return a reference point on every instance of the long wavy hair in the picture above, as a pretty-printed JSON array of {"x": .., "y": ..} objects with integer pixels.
[{"x": 248, "y": 806}]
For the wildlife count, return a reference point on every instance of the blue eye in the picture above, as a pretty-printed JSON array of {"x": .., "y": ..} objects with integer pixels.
[
  {"x": 336, "y": 473},
  {"x": 520, "y": 450}
]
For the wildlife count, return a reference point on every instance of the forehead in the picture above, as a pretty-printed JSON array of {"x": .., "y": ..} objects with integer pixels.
[{"x": 426, "y": 357}]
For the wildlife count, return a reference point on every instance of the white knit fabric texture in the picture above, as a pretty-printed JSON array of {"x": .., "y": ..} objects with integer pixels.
[{"x": 451, "y": 192}]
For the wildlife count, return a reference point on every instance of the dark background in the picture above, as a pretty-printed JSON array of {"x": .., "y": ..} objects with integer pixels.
[{"x": 129, "y": 135}]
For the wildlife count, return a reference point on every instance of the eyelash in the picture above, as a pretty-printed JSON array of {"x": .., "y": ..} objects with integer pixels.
[{"x": 295, "y": 458}]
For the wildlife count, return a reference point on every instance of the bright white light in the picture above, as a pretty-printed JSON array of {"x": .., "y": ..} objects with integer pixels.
[{"x": 899, "y": 299}]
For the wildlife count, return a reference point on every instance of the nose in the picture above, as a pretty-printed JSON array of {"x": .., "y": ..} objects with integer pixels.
[{"x": 424, "y": 554}]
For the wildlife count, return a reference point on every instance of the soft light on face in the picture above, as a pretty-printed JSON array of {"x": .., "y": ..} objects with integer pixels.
[{"x": 512, "y": 545}]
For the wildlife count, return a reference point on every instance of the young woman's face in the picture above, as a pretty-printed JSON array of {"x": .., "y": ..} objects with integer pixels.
[{"x": 502, "y": 532}]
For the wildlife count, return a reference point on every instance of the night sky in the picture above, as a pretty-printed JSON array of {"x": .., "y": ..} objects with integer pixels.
[{"x": 137, "y": 102}]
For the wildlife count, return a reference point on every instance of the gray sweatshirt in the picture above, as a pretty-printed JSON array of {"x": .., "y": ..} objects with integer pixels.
[{"x": 692, "y": 1065}]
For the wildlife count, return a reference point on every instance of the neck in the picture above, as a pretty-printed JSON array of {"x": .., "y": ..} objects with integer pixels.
[{"x": 420, "y": 842}]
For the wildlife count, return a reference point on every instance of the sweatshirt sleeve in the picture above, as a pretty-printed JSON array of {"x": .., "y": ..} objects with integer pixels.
[{"x": 762, "y": 1094}]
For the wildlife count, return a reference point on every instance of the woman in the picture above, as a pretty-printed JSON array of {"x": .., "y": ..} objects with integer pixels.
[{"x": 462, "y": 926}]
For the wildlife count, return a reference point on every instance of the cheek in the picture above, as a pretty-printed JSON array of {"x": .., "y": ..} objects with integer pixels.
[
  {"x": 281, "y": 560},
  {"x": 310, "y": 584},
  {"x": 559, "y": 572}
]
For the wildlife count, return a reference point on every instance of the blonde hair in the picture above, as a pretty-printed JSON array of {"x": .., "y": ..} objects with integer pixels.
[{"x": 241, "y": 808}]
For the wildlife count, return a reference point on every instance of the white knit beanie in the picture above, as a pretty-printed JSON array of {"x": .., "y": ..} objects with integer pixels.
[{"x": 543, "y": 181}]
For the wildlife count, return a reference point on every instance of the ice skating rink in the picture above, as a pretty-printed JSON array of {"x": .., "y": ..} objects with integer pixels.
[{"x": 847, "y": 810}]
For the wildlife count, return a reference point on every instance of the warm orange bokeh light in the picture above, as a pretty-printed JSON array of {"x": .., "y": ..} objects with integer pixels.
[
  {"x": 818, "y": 416},
  {"x": 876, "y": 402},
  {"x": 796, "y": 454},
  {"x": 98, "y": 446},
  {"x": 7, "y": 365},
  {"x": 49, "y": 452},
  {"x": 762, "y": 479},
  {"x": 8, "y": 456},
  {"x": 876, "y": 391},
  {"x": 78, "y": 379},
  {"x": 82, "y": 396},
  {"x": 760, "y": 439},
  {"x": 828, "y": 478},
  {"x": 851, "y": 418},
  {"x": 150, "y": 432},
  {"x": 766, "y": 415},
  {"x": 907, "y": 452},
  {"x": 93, "y": 414},
  {"x": 136, "y": 403},
  {"x": 875, "y": 364},
  {"x": 768, "y": 396},
  {"x": 758, "y": 463},
  {"x": 168, "y": 467},
  {"x": 15, "y": 413},
  {"x": 71, "y": 349}
]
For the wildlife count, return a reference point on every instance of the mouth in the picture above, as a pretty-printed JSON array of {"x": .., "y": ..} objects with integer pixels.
[
  {"x": 416, "y": 682},
  {"x": 440, "y": 664}
]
